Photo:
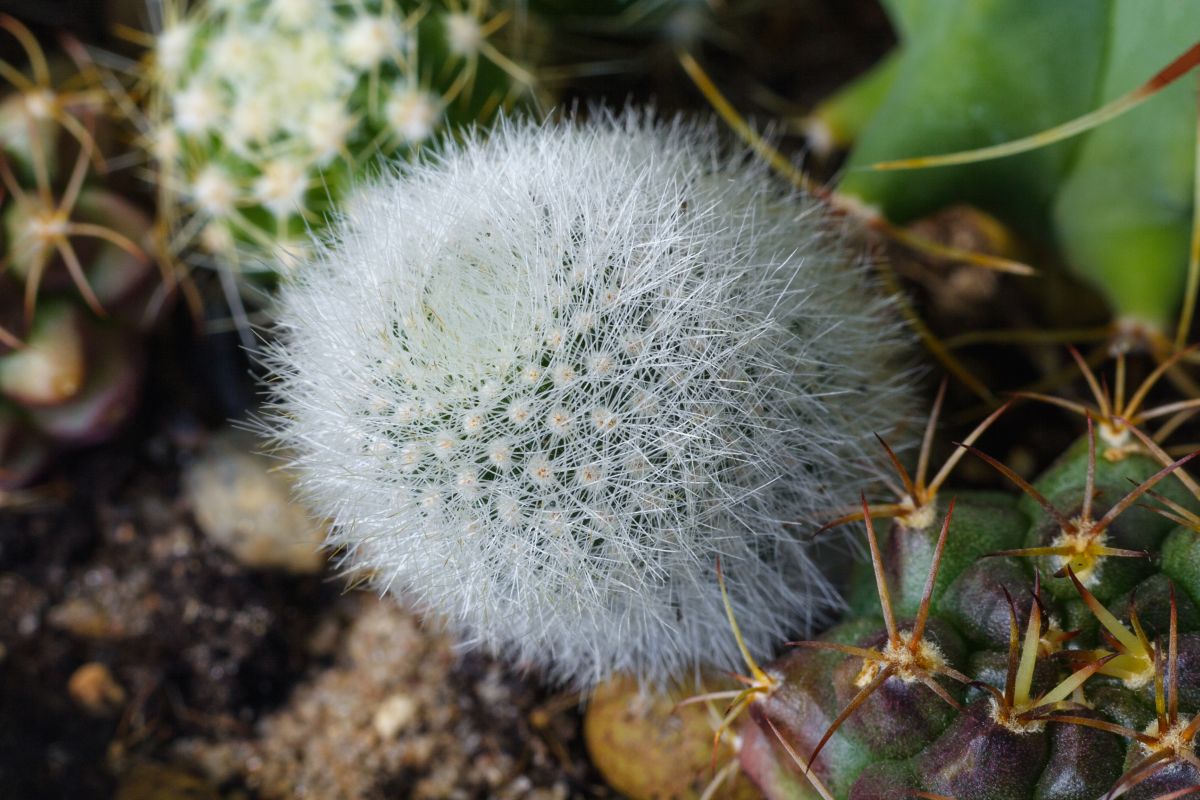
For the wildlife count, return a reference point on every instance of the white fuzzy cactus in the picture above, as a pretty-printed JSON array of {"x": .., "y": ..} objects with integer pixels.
[{"x": 543, "y": 382}]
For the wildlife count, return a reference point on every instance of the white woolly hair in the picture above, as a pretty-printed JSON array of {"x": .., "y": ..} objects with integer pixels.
[{"x": 543, "y": 382}]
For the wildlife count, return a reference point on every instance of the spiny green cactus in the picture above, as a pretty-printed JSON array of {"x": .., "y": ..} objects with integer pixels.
[
  {"x": 264, "y": 112},
  {"x": 76, "y": 283},
  {"x": 982, "y": 658},
  {"x": 1046, "y": 648}
]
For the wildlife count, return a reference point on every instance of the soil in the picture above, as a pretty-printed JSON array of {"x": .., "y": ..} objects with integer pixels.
[{"x": 130, "y": 642}]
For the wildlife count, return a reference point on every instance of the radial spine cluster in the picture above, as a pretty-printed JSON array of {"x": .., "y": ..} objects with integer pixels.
[{"x": 544, "y": 382}]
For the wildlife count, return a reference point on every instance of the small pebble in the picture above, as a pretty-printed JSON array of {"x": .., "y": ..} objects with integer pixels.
[
  {"x": 125, "y": 533},
  {"x": 394, "y": 715},
  {"x": 84, "y": 618},
  {"x": 242, "y": 501},
  {"x": 95, "y": 689}
]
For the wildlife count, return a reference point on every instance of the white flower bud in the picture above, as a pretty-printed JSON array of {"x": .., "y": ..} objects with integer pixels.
[{"x": 214, "y": 191}]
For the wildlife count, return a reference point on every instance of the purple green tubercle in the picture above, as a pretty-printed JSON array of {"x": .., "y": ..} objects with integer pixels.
[{"x": 1029, "y": 681}]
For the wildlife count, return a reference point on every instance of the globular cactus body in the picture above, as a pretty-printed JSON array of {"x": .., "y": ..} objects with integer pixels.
[
  {"x": 983, "y": 523},
  {"x": 545, "y": 383},
  {"x": 1033, "y": 680}
]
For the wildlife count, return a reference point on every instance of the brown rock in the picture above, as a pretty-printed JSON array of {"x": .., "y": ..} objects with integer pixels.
[
  {"x": 242, "y": 501},
  {"x": 95, "y": 689},
  {"x": 648, "y": 747}
]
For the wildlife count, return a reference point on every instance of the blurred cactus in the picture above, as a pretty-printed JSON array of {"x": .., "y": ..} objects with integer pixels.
[
  {"x": 263, "y": 112},
  {"x": 76, "y": 281},
  {"x": 1123, "y": 216},
  {"x": 1117, "y": 201},
  {"x": 997, "y": 93}
]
